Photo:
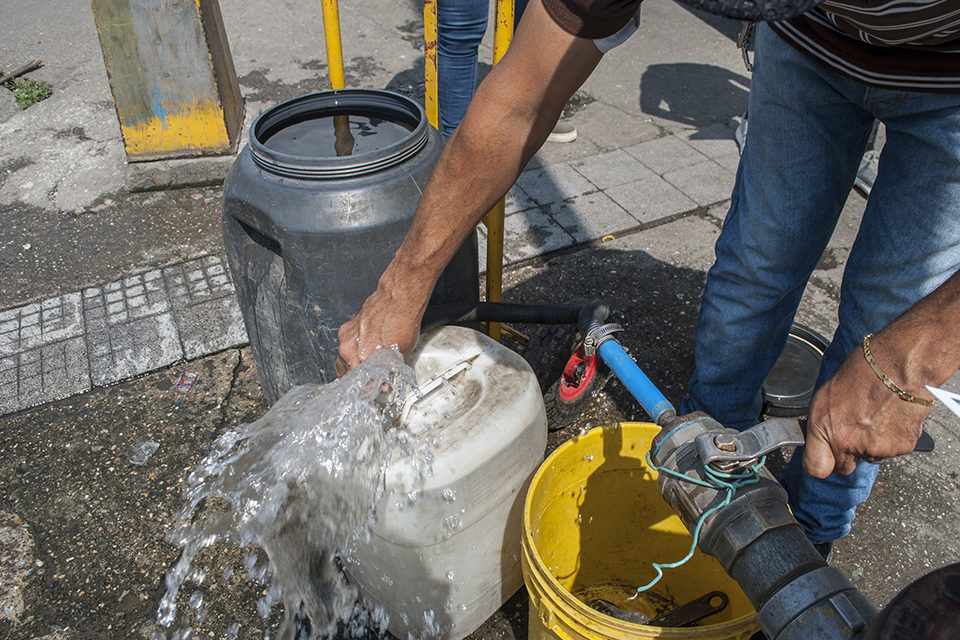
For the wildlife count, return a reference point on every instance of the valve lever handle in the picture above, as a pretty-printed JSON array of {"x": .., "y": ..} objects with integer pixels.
[{"x": 757, "y": 441}]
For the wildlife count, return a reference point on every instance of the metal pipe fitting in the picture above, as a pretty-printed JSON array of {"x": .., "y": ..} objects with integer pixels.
[{"x": 755, "y": 537}]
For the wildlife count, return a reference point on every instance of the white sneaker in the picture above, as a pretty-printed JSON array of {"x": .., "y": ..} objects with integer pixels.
[{"x": 563, "y": 132}]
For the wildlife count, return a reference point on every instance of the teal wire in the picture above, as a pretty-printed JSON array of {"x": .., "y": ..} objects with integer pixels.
[{"x": 720, "y": 480}]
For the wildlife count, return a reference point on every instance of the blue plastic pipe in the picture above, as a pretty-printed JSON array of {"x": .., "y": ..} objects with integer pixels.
[{"x": 635, "y": 380}]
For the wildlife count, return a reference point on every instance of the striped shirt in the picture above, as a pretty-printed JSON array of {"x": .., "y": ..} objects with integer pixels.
[{"x": 911, "y": 45}]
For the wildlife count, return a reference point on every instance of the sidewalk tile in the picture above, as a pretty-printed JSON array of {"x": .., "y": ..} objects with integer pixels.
[
  {"x": 713, "y": 141},
  {"x": 481, "y": 232},
  {"x": 121, "y": 301},
  {"x": 517, "y": 200},
  {"x": 554, "y": 183},
  {"x": 729, "y": 161},
  {"x": 665, "y": 154},
  {"x": 612, "y": 169},
  {"x": 705, "y": 183},
  {"x": 652, "y": 199},
  {"x": 611, "y": 128},
  {"x": 132, "y": 348},
  {"x": 197, "y": 281},
  {"x": 10, "y": 339},
  {"x": 9, "y": 393},
  {"x": 34, "y": 325},
  {"x": 554, "y": 153},
  {"x": 210, "y": 327},
  {"x": 48, "y": 373},
  {"x": 684, "y": 243},
  {"x": 531, "y": 233},
  {"x": 591, "y": 216}
]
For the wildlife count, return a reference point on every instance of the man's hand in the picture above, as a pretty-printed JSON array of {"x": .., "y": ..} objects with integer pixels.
[
  {"x": 855, "y": 417},
  {"x": 382, "y": 322}
]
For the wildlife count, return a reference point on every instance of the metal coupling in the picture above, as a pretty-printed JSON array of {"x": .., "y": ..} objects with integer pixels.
[
  {"x": 598, "y": 335},
  {"x": 731, "y": 449}
]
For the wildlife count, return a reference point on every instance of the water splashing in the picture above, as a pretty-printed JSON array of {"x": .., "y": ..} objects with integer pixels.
[{"x": 300, "y": 484}]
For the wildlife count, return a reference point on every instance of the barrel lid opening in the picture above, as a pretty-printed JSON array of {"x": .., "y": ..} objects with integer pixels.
[{"x": 338, "y": 134}]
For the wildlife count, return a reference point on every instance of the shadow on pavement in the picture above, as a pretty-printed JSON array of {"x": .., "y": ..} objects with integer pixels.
[
  {"x": 693, "y": 94},
  {"x": 655, "y": 302}
]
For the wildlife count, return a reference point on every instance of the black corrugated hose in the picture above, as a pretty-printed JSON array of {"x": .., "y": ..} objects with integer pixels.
[{"x": 587, "y": 315}]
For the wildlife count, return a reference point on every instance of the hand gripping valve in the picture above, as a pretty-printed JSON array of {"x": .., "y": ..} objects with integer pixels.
[
  {"x": 749, "y": 530},
  {"x": 754, "y": 536}
]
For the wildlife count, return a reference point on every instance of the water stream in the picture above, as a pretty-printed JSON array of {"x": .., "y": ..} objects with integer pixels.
[{"x": 300, "y": 484}]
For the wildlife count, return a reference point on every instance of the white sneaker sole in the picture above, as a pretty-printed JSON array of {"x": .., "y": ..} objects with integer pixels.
[{"x": 565, "y": 136}]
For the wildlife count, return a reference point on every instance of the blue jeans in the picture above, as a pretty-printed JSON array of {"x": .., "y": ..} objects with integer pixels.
[
  {"x": 808, "y": 128},
  {"x": 460, "y": 28}
]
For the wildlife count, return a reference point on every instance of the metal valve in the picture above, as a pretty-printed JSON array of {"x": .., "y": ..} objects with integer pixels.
[{"x": 730, "y": 449}]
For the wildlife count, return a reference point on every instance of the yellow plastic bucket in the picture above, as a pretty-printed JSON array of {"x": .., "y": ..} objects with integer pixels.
[{"x": 593, "y": 523}]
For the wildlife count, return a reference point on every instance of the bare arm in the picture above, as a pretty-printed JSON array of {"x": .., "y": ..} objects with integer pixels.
[
  {"x": 508, "y": 120},
  {"x": 854, "y": 416}
]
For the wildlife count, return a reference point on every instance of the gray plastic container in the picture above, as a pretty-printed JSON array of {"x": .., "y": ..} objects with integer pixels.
[{"x": 307, "y": 238}]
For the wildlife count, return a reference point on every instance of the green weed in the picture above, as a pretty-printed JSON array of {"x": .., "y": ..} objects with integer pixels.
[{"x": 27, "y": 92}]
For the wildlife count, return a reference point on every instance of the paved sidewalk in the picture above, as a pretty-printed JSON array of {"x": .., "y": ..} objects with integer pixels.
[{"x": 70, "y": 343}]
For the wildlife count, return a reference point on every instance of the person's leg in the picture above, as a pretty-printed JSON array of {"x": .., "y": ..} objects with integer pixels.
[
  {"x": 460, "y": 28},
  {"x": 908, "y": 244},
  {"x": 807, "y": 134}
]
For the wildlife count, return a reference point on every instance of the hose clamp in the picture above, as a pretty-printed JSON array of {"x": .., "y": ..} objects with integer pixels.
[{"x": 598, "y": 335}]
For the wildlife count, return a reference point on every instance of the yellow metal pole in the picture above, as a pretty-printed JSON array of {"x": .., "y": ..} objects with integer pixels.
[
  {"x": 331, "y": 35},
  {"x": 430, "y": 62},
  {"x": 502, "y": 35},
  {"x": 503, "y": 32}
]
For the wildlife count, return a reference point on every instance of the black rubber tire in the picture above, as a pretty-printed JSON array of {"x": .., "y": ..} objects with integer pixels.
[
  {"x": 562, "y": 413},
  {"x": 548, "y": 349}
]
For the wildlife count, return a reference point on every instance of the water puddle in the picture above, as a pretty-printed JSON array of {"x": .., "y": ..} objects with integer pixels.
[{"x": 300, "y": 484}]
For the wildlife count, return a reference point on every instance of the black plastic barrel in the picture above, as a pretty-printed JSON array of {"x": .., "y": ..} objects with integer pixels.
[{"x": 311, "y": 220}]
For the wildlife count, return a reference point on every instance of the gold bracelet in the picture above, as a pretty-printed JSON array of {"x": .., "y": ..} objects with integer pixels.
[{"x": 890, "y": 384}]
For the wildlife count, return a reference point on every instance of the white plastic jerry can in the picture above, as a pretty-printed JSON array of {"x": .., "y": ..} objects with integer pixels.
[{"x": 441, "y": 563}]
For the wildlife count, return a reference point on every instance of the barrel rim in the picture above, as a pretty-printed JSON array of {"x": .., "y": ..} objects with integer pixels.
[{"x": 340, "y": 102}]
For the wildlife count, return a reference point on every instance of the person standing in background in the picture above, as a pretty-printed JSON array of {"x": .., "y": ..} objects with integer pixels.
[{"x": 460, "y": 28}]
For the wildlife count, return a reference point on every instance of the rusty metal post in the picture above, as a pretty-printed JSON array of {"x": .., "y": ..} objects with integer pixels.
[
  {"x": 502, "y": 35},
  {"x": 430, "y": 62}
]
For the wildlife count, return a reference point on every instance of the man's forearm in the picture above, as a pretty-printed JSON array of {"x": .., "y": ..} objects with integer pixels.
[
  {"x": 509, "y": 118},
  {"x": 481, "y": 162},
  {"x": 856, "y": 416},
  {"x": 922, "y": 346}
]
